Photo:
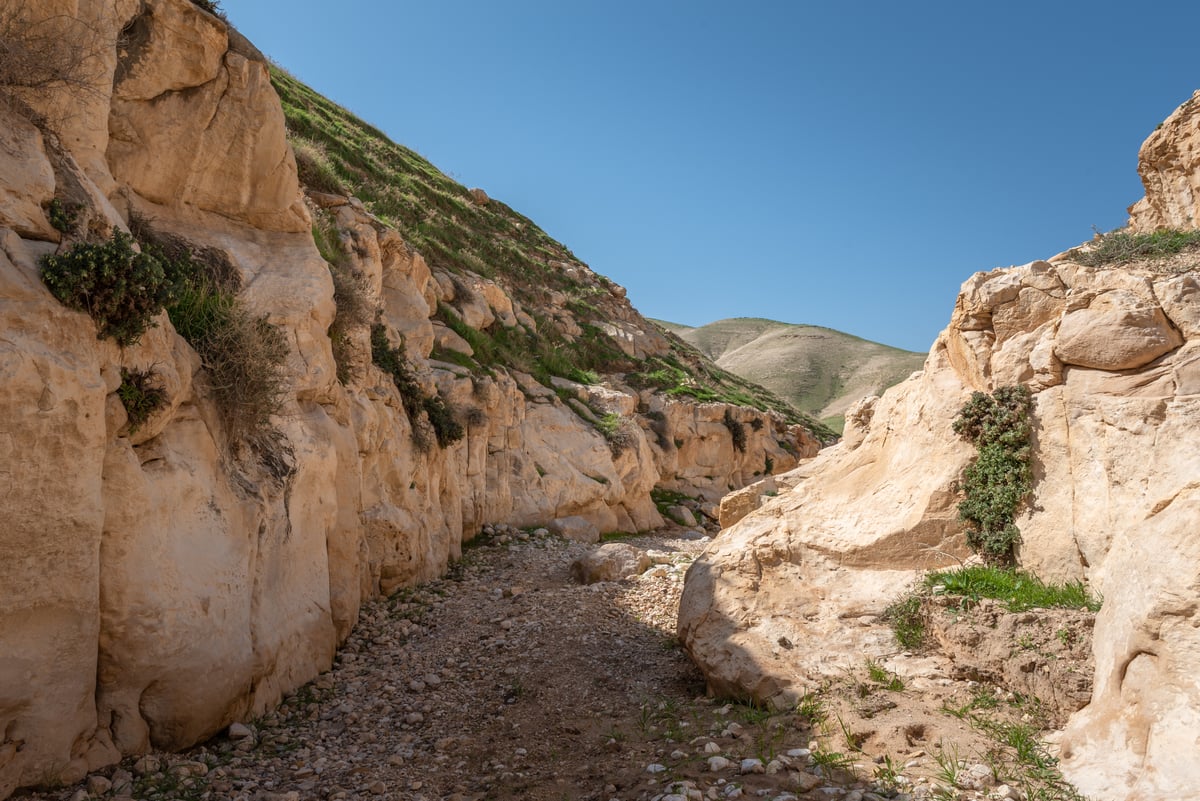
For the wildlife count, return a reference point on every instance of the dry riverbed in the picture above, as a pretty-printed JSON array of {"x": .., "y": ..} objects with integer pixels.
[{"x": 508, "y": 680}]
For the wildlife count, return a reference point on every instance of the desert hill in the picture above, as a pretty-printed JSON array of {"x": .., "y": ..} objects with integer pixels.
[{"x": 819, "y": 370}]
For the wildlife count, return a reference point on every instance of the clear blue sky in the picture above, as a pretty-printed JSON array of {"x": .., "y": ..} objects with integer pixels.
[{"x": 845, "y": 164}]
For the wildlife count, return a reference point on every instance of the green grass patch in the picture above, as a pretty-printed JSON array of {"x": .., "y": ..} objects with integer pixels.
[{"x": 1017, "y": 589}]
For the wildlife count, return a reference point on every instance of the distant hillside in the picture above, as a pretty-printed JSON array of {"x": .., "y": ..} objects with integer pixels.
[{"x": 819, "y": 370}]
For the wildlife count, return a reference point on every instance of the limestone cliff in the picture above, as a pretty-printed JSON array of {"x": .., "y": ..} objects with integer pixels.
[
  {"x": 1169, "y": 163},
  {"x": 795, "y": 590},
  {"x": 163, "y": 577}
]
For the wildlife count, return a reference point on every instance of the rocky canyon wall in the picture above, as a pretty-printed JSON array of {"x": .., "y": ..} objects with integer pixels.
[
  {"x": 795, "y": 591},
  {"x": 161, "y": 581}
]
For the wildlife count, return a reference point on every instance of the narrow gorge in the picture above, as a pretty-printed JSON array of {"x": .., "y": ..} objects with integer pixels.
[{"x": 323, "y": 371}]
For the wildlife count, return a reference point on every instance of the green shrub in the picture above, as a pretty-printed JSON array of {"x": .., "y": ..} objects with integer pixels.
[
  {"x": 445, "y": 427},
  {"x": 908, "y": 619},
  {"x": 119, "y": 287},
  {"x": 141, "y": 395},
  {"x": 736, "y": 430},
  {"x": 618, "y": 431},
  {"x": 998, "y": 480},
  {"x": 392, "y": 361},
  {"x": 62, "y": 216}
]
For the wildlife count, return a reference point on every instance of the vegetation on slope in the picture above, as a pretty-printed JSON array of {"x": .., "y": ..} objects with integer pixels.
[
  {"x": 1166, "y": 250},
  {"x": 818, "y": 370},
  {"x": 459, "y": 232}
]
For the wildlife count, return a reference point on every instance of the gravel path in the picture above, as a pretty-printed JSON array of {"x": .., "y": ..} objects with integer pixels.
[{"x": 506, "y": 680}]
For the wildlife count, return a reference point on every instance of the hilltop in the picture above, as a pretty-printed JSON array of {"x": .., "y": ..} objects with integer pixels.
[{"x": 819, "y": 370}]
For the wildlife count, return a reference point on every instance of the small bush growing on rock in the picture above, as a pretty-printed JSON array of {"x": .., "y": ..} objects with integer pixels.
[
  {"x": 1122, "y": 247},
  {"x": 736, "y": 430},
  {"x": 141, "y": 395},
  {"x": 441, "y": 418},
  {"x": 122, "y": 289},
  {"x": 907, "y": 617},
  {"x": 244, "y": 355},
  {"x": 62, "y": 216},
  {"x": 618, "y": 431},
  {"x": 1000, "y": 478},
  {"x": 447, "y": 429},
  {"x": 393, "y": 362},
  {"x": 354, "y": 310}
]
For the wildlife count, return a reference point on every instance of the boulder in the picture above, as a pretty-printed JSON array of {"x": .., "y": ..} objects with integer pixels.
[
  {"x": 575, "y": 528},
  {"x": 682, "y": 515},
  {"x": 612, "y": 561}
]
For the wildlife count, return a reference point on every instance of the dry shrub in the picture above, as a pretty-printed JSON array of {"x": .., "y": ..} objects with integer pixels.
[
  {"x": 315, "y": 169},
  {"x": 355, "y": 310},
  {"x": 42, "y": 55}
]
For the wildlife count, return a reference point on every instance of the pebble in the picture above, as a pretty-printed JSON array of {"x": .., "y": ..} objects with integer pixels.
[
  {"x": 654, "y": 767},
  {"x": 751, "y": 766},
  {"x": 712, "y": 748},
  {"x": 239, "y": 731},
  {"x": 718, "y": 763},
  {"x": 98, "y": 785}
]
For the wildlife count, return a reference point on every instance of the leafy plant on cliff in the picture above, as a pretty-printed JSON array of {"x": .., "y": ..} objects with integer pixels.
[
  {"x": 141, "y": 395},
  {"x": 441, "y": 418},
  {"x": 998, "y": 480},
  {"x": 736, "y": 430},
  {"x": 244, "y": 355},
  {"x": 122, "y": 289}
]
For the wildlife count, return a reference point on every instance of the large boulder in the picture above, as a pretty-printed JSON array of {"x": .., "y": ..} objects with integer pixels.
[{"x": 793, "y": 592}]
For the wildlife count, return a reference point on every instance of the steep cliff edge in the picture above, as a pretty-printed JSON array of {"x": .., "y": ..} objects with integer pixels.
[
  {"x": 167, "y": 572},
  {"x": 795, "y": 592}
]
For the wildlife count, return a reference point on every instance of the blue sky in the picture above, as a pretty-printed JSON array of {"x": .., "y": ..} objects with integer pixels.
[{"x": 839, "y": 164}]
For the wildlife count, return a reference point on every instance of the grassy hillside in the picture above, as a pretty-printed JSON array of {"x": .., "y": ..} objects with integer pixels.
[
  {"x": 819, "y": 370},
  {"x": 456, "y": 232}
]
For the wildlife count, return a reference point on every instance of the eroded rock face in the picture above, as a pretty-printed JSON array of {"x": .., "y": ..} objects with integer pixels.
[
  {"x": 1112, "y": 358},
  {"x": 1169, "y": 163},
  {"x": 160, "y": 583}
]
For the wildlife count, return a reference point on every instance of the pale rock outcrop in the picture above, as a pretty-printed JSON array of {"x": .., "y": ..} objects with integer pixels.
[
  {"x": 1112, "y": 358},
  {"x": 740, "y": 503},
  {"x": 1169, "y": 164},
  {"x": 203, "y": 128},
  {"x": 26, "y": 177}
]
